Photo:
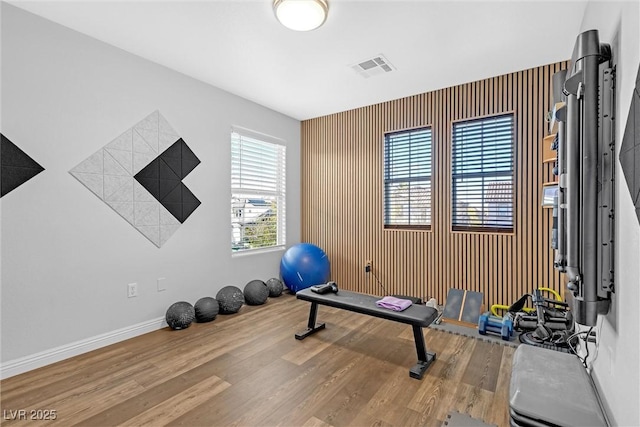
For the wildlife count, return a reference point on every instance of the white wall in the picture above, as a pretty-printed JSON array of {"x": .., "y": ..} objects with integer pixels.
[
  {"x": 617, "y": 367},
  {"x": 66, "y": 256}
]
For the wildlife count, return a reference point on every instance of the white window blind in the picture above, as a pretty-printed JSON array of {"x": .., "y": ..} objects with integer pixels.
[
  {"x": 407, "y": 179},
  {"x": 258, "y": 190},
  {"x": 483, "y": 174}
]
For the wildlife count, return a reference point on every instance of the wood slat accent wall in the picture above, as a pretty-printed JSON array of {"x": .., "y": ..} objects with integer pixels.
[{"x": 342, "y": 195}]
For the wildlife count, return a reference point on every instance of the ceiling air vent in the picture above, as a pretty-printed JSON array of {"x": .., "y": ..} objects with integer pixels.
[{"x": 373, "y": 67}]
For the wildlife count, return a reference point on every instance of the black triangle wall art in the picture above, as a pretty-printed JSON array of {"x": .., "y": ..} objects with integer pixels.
[
  {"x": 139, "y": 175},
  {"x": 16, "y": 167},
  {"x": 630, "y": 148},
  {"x": 163, "y": 178}
]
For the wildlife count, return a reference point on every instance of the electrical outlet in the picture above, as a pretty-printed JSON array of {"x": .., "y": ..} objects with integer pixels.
[
  {"x": 132, "y": 290},
  {"x": 162, "y": 285},
  {"x": 367, "y": 266}
]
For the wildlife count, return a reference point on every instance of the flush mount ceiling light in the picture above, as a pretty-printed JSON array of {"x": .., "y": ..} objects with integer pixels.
[{"x": 301, "y": 15}]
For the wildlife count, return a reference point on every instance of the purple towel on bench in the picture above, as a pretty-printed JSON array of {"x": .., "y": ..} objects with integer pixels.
[{"x": 393, "y": 303}]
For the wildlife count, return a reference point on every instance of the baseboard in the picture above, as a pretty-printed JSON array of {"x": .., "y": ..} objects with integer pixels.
[{"x": 47, "y": 357}]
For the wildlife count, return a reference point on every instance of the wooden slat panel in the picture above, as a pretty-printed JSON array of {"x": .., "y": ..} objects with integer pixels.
[{"x": 342, "y": 195}]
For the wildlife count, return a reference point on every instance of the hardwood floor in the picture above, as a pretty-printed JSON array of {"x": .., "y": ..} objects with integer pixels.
[{"x": 248, "y": 370}]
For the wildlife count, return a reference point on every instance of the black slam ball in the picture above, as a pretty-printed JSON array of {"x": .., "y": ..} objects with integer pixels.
[
  {"x": 230, "y": 299},
  {"x": 207, "y": 309},
  {"x": 256, "y": 292},
  {"x": 275, "y": 287},
  {"x": 180, "y": 315}
]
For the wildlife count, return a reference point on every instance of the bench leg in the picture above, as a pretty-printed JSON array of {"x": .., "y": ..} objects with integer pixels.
[
  {"x": 312, "y": 328},
  {"x": 424, "y": 359}
]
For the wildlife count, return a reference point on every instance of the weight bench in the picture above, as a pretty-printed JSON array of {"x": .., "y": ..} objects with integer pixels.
[{"x": 418, "y": 316}]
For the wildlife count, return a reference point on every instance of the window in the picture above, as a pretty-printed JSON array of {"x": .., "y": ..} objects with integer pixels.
[
  {"x": 407, "y": 179},
  {"x": 483, "y": 174},
  {"x": 257, "y": 191}
]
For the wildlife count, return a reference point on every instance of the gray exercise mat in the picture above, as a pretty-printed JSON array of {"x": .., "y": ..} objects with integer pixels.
[{"x": 456, "y": 419}]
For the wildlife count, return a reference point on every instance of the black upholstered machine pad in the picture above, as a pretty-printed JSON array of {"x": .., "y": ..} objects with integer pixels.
[{"x": 418, "y": 316}]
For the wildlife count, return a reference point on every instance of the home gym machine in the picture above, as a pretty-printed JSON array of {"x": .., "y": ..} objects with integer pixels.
[
  {"x": 582, "y": 236},
  {"x": 584, "y": 206}
]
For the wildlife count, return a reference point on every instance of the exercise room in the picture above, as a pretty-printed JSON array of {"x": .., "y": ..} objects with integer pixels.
[{"x": 320, "y": 213}]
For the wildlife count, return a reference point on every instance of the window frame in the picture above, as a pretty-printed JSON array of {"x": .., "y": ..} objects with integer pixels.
[
  {"x": 429, "y": 178},
  {"x": 484, "y": 228},
  {"x": 257, "y": 191}
]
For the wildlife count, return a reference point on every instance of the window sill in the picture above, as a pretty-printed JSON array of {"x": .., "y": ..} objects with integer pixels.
[
  {"x": 397, "y": 228},
  {"x": 258, "y": 251},
  {"x": 484, "y": 231}
]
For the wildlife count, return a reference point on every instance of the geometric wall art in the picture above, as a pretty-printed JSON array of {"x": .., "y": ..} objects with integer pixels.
[
  {"x": 163, "y": 179},
  {"x": 16, "y": 167},
  {"x": 139, "y": 175},
  {"x": 630, "y": 148}
]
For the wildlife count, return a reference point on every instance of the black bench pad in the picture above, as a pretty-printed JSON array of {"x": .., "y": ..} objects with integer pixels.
[{"x": 418, "y": 316}]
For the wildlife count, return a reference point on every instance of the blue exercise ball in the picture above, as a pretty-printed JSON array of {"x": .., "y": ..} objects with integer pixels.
[{"x": 304, "y": 265}]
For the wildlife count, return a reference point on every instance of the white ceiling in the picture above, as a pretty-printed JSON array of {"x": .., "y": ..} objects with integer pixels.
[{"x": 238, "y": 46}]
